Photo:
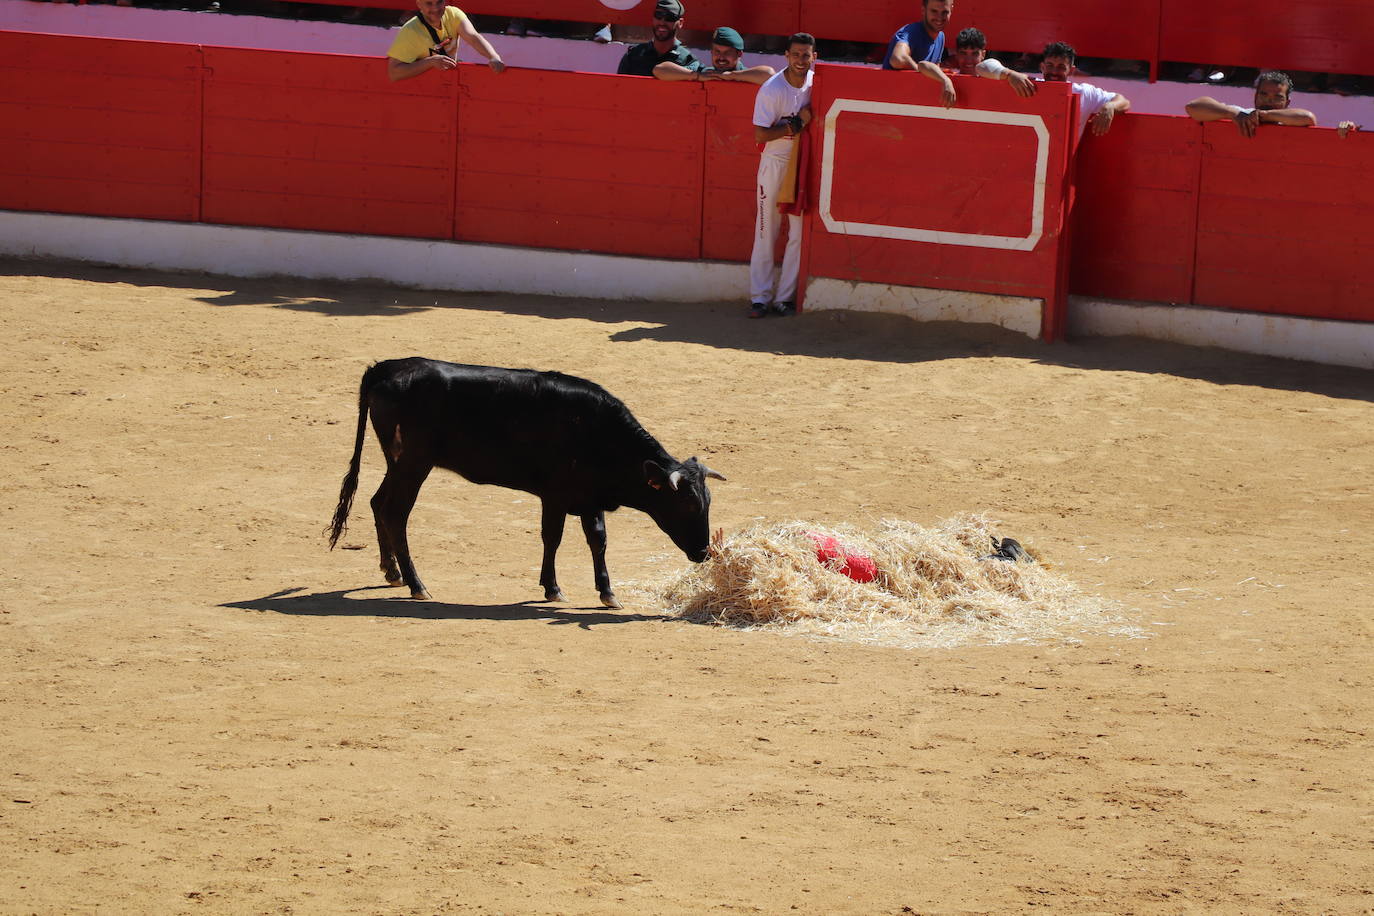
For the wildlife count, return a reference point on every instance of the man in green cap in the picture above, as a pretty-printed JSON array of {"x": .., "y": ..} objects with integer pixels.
[
  {"x": 641, "y": 59},
  {"x": 727, "y": 51}
]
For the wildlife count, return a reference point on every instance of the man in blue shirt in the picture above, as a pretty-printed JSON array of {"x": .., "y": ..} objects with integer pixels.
[{"x": 920, "y": 41}]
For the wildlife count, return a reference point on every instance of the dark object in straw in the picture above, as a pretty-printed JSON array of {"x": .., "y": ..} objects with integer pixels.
[{"x": 1008, "y": 549}]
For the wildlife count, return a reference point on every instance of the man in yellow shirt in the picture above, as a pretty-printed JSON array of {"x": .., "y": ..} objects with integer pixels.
[{"x": 430, "y": 41}]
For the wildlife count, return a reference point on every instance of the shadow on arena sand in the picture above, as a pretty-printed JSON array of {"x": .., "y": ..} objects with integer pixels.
[
  {"x": 836, "y": 334},
  {"x": 340, "y": 604}
]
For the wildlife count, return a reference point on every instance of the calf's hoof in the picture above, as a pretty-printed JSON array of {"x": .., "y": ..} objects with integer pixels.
[
  {"x": 608, "y": 599},
  {"x": 419, "y": 594},
  {"x": 554, "y": 594},
  {"x": 394, "y": 580}
]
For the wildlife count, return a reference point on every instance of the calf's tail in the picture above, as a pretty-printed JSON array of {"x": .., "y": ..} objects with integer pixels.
[{"x": 350, "y": 482}]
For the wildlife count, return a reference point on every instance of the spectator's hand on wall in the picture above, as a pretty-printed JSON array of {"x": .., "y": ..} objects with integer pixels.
[
  {"x": 1247, "y": 123},
  {"x": 1345, "y": 128},
  {"x": 947, "y": 95},
  {"x": 497, "y": 65},
  {"x": 1021, "y": 84},
  {"x": 441, "y": 62},
  {"x": 1102, "y": 121},
  {"x": 805, "y": 115}
]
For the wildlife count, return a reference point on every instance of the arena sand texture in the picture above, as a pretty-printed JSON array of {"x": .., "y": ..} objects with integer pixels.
[{"x": 206, "y": 711}]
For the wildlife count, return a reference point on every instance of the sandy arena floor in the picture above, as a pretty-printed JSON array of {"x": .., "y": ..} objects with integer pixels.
[{"x": 206, "y": 711}]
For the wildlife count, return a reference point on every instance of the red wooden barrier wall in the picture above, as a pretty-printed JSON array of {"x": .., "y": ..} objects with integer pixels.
[
  {"x": 1284, "y": 222},
  {"x": 1136, "y": 210},
  {"x": 919, "y": 197},
  {"x": 732, "y": 165},
  {"x": 1167, "y": 210},
  {"x": 93, "y": 126},
  {"x": 587, "y": 162},
  {"x": 323, "y": 141}
]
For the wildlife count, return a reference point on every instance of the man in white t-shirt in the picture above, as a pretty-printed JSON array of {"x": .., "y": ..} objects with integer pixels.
[
  {"x": 782, "y": 109},
  {"x": 1096, "y": 106}
]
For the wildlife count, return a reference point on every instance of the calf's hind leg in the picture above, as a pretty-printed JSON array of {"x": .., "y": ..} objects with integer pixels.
[
  {"x": 388, "y": 556},
  {"x": 397, "y": 497},
  {"x": 551, "y": 521}
]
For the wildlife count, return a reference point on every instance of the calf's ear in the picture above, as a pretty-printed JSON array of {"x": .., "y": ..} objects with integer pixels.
[{"x": 657, "y": 477}]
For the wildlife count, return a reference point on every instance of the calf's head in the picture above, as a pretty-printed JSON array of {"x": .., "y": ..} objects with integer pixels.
[{"x": 681, "y": 504}]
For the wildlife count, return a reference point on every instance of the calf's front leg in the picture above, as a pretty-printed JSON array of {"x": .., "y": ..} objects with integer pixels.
[{"x": 594, "y": 527}]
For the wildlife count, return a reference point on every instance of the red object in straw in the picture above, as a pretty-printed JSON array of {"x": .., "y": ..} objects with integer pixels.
[{"x": 854, "y": 565}]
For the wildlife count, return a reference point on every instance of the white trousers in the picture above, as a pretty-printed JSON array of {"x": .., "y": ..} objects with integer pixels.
[{"x": 763, "y": 275}]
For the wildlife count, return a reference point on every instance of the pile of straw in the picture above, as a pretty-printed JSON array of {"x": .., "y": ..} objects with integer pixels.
[{"x": 934, "y": 588}]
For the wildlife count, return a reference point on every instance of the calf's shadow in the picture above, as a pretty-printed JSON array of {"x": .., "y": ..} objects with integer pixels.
[{"x": 342, "y": 603}]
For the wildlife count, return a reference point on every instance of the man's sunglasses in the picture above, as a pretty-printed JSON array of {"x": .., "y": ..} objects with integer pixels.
[{"x": 661, "y": 16}]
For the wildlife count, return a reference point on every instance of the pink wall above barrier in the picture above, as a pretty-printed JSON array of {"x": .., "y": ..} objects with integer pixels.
[{"x": 1167, "y": 210}]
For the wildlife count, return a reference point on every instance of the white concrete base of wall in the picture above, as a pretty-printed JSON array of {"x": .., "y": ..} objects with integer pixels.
[
  {"x": 1011, "y": 312},
  {"x": 239, "y": 251},
  {"x": 1337, "y": 343}
]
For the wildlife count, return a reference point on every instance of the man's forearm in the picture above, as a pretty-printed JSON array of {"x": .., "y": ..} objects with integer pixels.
[
  {"x": 757, "y": 75},
  {"x": 769, "y": 134},
  {"x": 671, "y": 72},
  {"x": 400, "y": 70},
  {"x": 1288, "y": 117},
  {"x": 1209, "y": 109}
]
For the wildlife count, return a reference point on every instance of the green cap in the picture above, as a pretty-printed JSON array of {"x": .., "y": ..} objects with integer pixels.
[
  {"x": 727, "y": 36},
  {"x": 672, "y": 7}
]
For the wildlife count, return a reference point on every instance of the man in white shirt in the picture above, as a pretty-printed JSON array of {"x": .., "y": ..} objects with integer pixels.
[
  {"x": 1096, "y": 106},
  {"x": 782, "y": 109}
]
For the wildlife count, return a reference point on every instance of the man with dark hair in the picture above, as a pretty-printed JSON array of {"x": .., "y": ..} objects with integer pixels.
[
  {"x": 1272, "y": 91},
  {"x": 971, "y": 59},
  {"x": 782, "y": 109},
  {"x": 641, "y": 59},
  {"x": 727, "y": 52},
  {"x": 430, "y": 41},
  {"x": 1095, "y": 105}
]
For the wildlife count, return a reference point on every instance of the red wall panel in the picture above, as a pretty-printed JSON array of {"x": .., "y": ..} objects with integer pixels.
[
  {"x": 322, "y": 141},
  {"x": 732, "y": 164},
  {"x": 862, "y": 20},
  {"x": 763, "y": 16},
  {"x": 1335, "y": 36},
  {"x": 1094, "y": 28},
  {"x": 587, "y": 162},
  {"x": 890, "y": 169},
  {"x": 118, "y": 135},
  {"x": 1128, "y": 30},
  {"x": 1135, "y": 213},
  {"x": 1283, "y": 222}
]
